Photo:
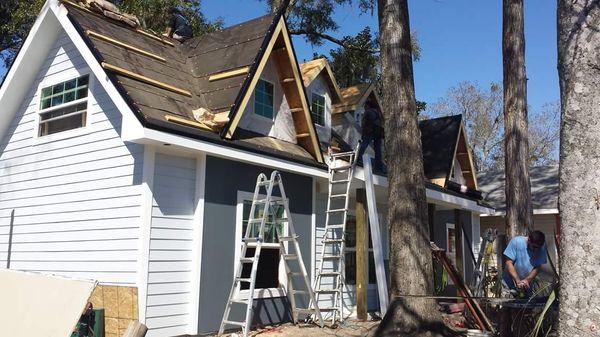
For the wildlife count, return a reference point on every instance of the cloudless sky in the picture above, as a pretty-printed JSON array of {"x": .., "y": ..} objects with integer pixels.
[{"x": 460, "y": 40}]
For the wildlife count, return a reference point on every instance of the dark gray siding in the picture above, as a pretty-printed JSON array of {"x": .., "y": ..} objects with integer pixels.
[{"x": 223, "y": 181}]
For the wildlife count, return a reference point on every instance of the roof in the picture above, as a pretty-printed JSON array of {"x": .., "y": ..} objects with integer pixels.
[
  {"x": 312, "y": 69},
  {"x": 438, "y": 139},
  {"x": 544, "y": 187},
  {"x": 164, "y": 81},
  {"x": 353, "y": 97}
]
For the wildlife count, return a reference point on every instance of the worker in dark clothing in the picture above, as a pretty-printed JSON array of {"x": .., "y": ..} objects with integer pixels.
[
  {"x": 372, "y": 130},
  {"x": 179, "y": 27}
]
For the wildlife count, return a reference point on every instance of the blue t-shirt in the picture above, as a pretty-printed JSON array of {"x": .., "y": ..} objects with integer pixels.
[{"x": 524, "y": 258}]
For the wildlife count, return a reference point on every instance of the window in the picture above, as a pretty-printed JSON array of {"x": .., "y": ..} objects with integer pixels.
[
  {"x": 350, "y": 261},
  {"x": 63, "y": 106},
  {"x": 263, "y": 99},
  {"x": 451, "y": 242},
  {"x": 317, "y": 109},
  {"x": 268, "y": 263}
]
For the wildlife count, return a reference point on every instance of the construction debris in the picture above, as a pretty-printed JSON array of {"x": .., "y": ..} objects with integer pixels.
[
  {"x": 41, "y": 305},
  {"x": 215, "y": 121},
  {"x": 111, "y": 11}
]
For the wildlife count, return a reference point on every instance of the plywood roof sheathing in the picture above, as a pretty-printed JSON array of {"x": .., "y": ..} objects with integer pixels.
[
  {"x": 145, "y": 79},
  {"x": 123, "y": 45},
  {"x": 228, "y": 74}
]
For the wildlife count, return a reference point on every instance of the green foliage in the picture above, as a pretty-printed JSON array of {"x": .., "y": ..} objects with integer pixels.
[
  {"x": 17, "y": 18},
  {"x": 352, "y": 66},
  {"x": 154, "y": 14}
]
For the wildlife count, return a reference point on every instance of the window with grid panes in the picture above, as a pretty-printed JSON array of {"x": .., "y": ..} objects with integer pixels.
[
  {"x": 268, "y": 262},
  {"x": 317, "y": 109},
  {"x": 263, "y": 99},
  {"x": 63, "y": 106}
]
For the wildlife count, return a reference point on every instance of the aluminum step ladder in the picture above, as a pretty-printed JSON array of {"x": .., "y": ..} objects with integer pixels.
[
  {"x": 330, "y": 278},
  {"x": 264, "y": 210}
]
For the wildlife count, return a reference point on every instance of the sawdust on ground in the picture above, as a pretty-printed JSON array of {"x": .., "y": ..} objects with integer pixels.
[{"x": 349, "y": 328}]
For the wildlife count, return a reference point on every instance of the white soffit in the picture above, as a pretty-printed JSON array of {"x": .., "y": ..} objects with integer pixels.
[{"x": 41, "y": 305}]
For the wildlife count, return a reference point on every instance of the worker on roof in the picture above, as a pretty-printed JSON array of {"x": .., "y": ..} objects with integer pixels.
[
  {"x": 523, "y": 258},
  {"x": 372, "y": 130},
  {"x": 179, "y": 27}
]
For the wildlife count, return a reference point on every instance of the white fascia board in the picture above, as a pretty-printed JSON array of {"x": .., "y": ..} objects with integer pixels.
[
  {"x": 130, "y": 121},
  {"x": 540, "y": 211},
  {"x": 26, "y": 66},
  {"x": 432, "y": 195},
  {"x": 159, "y": 138}
]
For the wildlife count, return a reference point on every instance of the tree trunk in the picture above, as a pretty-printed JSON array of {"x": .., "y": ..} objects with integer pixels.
[
  {"x": 519, "y": 213},
  {"x": 579, "y": 198},
  {"x": 410, "y": 255}
]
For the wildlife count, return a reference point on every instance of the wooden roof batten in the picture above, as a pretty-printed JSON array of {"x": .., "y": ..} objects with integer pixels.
[
  {"x": 145, "y": 79},
  {"x": 292, "y": 86}
]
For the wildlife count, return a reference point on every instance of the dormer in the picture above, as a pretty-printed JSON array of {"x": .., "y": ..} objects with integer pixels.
[
  {"x": 323, "y": 93},
  {"x": 447, "y": 157}
]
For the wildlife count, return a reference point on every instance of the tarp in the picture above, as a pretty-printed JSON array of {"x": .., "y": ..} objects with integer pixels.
[{"x": 40, "y": 305}]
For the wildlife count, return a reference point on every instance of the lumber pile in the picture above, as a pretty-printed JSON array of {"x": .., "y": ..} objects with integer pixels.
[{"x": 111, "y": 11}]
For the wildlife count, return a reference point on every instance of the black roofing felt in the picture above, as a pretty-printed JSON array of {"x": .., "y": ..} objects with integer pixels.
[
  {"x": 188, "y": 67},
  {"x": 438, "y": 139}
]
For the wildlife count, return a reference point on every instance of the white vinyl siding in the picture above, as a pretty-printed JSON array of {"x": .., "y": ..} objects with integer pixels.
[
  {"x": 171, "y": 246},
  {"x": 76, "y": 195}
]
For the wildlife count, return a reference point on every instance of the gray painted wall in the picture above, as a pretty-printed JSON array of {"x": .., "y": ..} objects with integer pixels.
[
  {"x": 223, "y": 181},
  {"x": 439, "y": 234}
]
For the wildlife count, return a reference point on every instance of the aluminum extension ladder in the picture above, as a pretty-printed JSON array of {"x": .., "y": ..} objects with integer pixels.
[
  {"x": 263, "y": 210},
  {"x": 330, "y": 279}
]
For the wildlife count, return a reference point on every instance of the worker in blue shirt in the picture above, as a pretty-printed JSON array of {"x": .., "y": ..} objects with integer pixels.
[
  {"x": 179, "y": 27},
  {"x": 523, "y": 258}
]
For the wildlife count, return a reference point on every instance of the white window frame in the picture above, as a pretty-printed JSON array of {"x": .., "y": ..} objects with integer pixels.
[
  {"x": 239, "y": 225},
  {"x": 254, "y": 114},
  {"x": 312, "y": 96},
  {"x": 53, "y": 80}
]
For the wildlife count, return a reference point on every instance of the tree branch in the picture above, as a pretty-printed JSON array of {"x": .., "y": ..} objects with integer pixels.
[{"x": 331, "y": 39}]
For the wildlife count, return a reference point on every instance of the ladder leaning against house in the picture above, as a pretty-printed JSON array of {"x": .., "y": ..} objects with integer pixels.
[
  {"x": 263, "y": 210},
  {"x": 330, "y": 279}
]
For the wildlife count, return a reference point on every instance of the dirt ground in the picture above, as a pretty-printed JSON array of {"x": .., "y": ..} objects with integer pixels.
[{"x": 349, "y": 328}]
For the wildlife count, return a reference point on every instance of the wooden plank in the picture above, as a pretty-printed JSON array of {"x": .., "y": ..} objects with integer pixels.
[
  {"x": 124, "y": 45},
  {"x": 135, "y": 329},
  {"x": 382, "y": 288},
  {"x": 228, "y": 74},
  {"x": 458, "y": 243},
  {"x": 187, "y": 122},
  {"x": 362, "y": 254},
  {"x": 145, "y": 79}
]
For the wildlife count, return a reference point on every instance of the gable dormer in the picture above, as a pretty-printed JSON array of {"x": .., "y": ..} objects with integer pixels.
[
  {"x": 323, "y": 93},
  {"x": 446, "y": 153}
]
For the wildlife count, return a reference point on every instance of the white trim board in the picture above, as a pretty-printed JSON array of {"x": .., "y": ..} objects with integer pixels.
[
  {"x": 198, "y": 242},
  {"x": 540, "y": 211}
]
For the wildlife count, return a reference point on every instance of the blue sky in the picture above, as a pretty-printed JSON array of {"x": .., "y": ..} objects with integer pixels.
[{"x": 460, "y": 39}]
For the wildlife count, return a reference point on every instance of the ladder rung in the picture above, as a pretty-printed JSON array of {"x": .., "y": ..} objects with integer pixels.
[
  {"x": 288, "y": 238},
  {"x": 326, "y": 241},
  {"x": 299, "y": 292},
  {"x": 332, "y": 257},
  {"x": 294, "y": 273},
  {"x": 250, "y": 240},
  {"x": 266, "y": 183},
  {"x": 305, "y": 311},
  {"x": 290, "y": 256},
  {"x": 336, "y": 226},
  {"x": 341, "y": 168},
  {"x": 247, "y": 260},
  {"x": 282, "y": 220},
  {"x": 343, "y": 181},
  {"x": 331, "y": 274},
  {"x": 259, "y": 220},
  {"x": 235, "y": 323},
  {"x": 337, "y": 196},
  {"x": 337, "y": 210},
  {"x": 241, "y": 279},
  {"x": 264, "y": 201},
  {"x": 329, "y": 309},
  {"x": 239, "y": 300},
  {"x": 342, "y": 154},
  {"x": 327, "y": 291}
]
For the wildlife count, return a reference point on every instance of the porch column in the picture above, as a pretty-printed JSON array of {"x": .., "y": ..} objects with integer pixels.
[
  {"x": 458, "y": 237},
  {"x": 362, "y": 254}
]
